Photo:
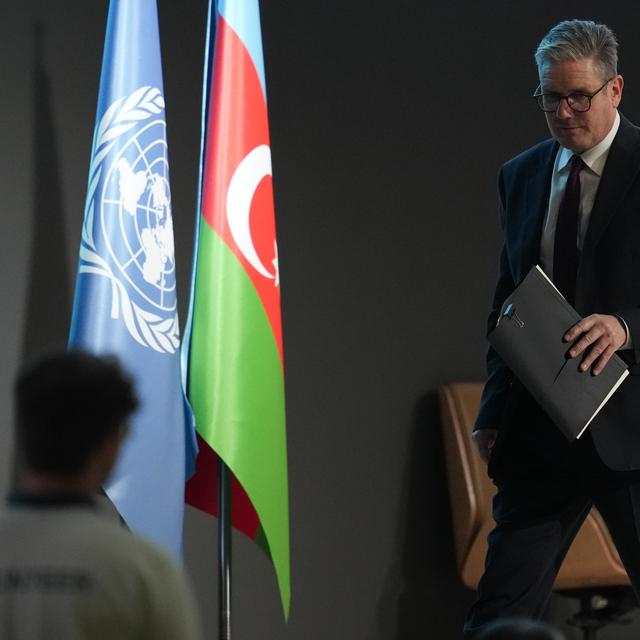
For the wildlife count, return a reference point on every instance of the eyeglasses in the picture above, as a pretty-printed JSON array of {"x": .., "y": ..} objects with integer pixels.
[{"x": 580, "y": 102}]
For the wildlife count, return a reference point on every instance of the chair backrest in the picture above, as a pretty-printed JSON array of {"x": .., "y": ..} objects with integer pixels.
[{"x": 592, "y": 559}]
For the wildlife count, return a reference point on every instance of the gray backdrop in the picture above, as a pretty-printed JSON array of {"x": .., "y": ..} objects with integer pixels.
[{"x": 388, "y": 123}]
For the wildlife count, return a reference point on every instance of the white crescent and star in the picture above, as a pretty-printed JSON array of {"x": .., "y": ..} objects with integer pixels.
[{"x": 249, "y": 173}]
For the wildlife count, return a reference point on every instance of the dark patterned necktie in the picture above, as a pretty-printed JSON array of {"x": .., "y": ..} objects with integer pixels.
[{"x": 565, "y": 251}]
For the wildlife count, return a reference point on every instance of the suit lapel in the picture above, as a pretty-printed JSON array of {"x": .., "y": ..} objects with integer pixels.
[
  {"x": 537, "y": 201},
  {"x": 621, "y": 168}
]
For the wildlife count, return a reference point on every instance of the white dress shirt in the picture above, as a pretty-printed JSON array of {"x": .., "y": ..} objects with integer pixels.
[{"x": 594, "y": 159}]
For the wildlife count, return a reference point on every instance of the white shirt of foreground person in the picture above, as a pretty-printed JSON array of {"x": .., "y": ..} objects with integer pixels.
[{"x": 67, "y": 572}]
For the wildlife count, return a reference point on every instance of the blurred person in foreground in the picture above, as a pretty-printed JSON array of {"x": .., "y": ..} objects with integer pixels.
[{"x": 66, "y": 571}]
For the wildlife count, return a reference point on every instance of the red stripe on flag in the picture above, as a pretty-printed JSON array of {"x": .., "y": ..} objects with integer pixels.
[{"x": 201, "y": 492}]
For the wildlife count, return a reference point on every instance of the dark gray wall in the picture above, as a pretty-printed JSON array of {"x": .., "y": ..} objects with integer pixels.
[{"x": 388, "y": 123}]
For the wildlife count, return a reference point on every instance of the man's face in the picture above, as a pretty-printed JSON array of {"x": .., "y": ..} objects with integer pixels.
[{"x": 574, "y": 130}]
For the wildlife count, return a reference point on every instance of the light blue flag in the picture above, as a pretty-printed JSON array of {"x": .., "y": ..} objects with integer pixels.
[{"x": 125, "y": 299}]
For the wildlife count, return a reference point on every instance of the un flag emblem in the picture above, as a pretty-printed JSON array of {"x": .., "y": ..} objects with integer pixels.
[{"x": 127, "y": 236}]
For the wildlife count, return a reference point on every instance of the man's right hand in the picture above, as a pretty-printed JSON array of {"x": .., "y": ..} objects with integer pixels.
[{"x": 484, "y": 440}]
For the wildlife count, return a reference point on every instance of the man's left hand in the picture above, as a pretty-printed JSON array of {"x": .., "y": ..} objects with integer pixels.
[{"x": 600, "y": 336}]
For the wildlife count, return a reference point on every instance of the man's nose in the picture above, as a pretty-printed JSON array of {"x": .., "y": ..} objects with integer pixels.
[{"x": 564, "y": 110}]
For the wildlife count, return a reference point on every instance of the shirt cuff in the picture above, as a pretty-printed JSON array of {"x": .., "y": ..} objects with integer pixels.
[{"x": 628, "y": 344}]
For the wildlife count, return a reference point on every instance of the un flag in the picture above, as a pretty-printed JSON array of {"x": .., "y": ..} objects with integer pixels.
[{"x": 125, "y": 300}]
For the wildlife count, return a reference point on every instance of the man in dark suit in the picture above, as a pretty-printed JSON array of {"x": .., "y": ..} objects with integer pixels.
[{"x": 571, "y": 204}]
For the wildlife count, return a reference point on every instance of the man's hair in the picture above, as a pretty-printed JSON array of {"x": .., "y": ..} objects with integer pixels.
[
  {"x": 577, "y": 40},
  {"x": 67, "y": 405}
]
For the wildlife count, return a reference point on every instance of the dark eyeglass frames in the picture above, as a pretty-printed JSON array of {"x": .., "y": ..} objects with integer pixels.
[{"x": 580, "y": 102}]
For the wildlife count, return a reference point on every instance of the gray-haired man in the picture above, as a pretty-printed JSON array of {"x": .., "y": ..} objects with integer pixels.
[{"x": 572, "y": 204}]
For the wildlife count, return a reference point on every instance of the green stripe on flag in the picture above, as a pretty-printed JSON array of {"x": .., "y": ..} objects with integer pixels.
[{"x": 236, "y": 389}]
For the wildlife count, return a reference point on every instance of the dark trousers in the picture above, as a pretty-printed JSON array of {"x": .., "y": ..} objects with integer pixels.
[{"x": 546, "y": 487}]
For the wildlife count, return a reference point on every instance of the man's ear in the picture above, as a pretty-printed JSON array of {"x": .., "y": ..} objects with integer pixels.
[{"x": 616, "y": 86}]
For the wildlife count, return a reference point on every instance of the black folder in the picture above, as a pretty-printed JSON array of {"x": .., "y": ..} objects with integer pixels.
[{"x": 528, "y": 337}]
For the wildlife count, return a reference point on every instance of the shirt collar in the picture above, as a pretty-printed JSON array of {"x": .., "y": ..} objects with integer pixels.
[{"x": 595, "y": 157}]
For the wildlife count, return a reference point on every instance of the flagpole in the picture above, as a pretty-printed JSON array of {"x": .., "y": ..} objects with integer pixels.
[{"x": 224, "y": 551}]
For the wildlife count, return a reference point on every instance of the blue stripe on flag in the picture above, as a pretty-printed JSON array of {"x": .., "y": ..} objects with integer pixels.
[{"x": 243, "y": 16}]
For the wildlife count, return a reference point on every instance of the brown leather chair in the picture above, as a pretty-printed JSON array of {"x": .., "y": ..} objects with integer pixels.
[{"x": 592, "y": 566}]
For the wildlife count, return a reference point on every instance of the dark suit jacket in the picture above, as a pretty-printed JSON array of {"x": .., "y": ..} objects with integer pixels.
[{"x": 608, "y": 279}]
